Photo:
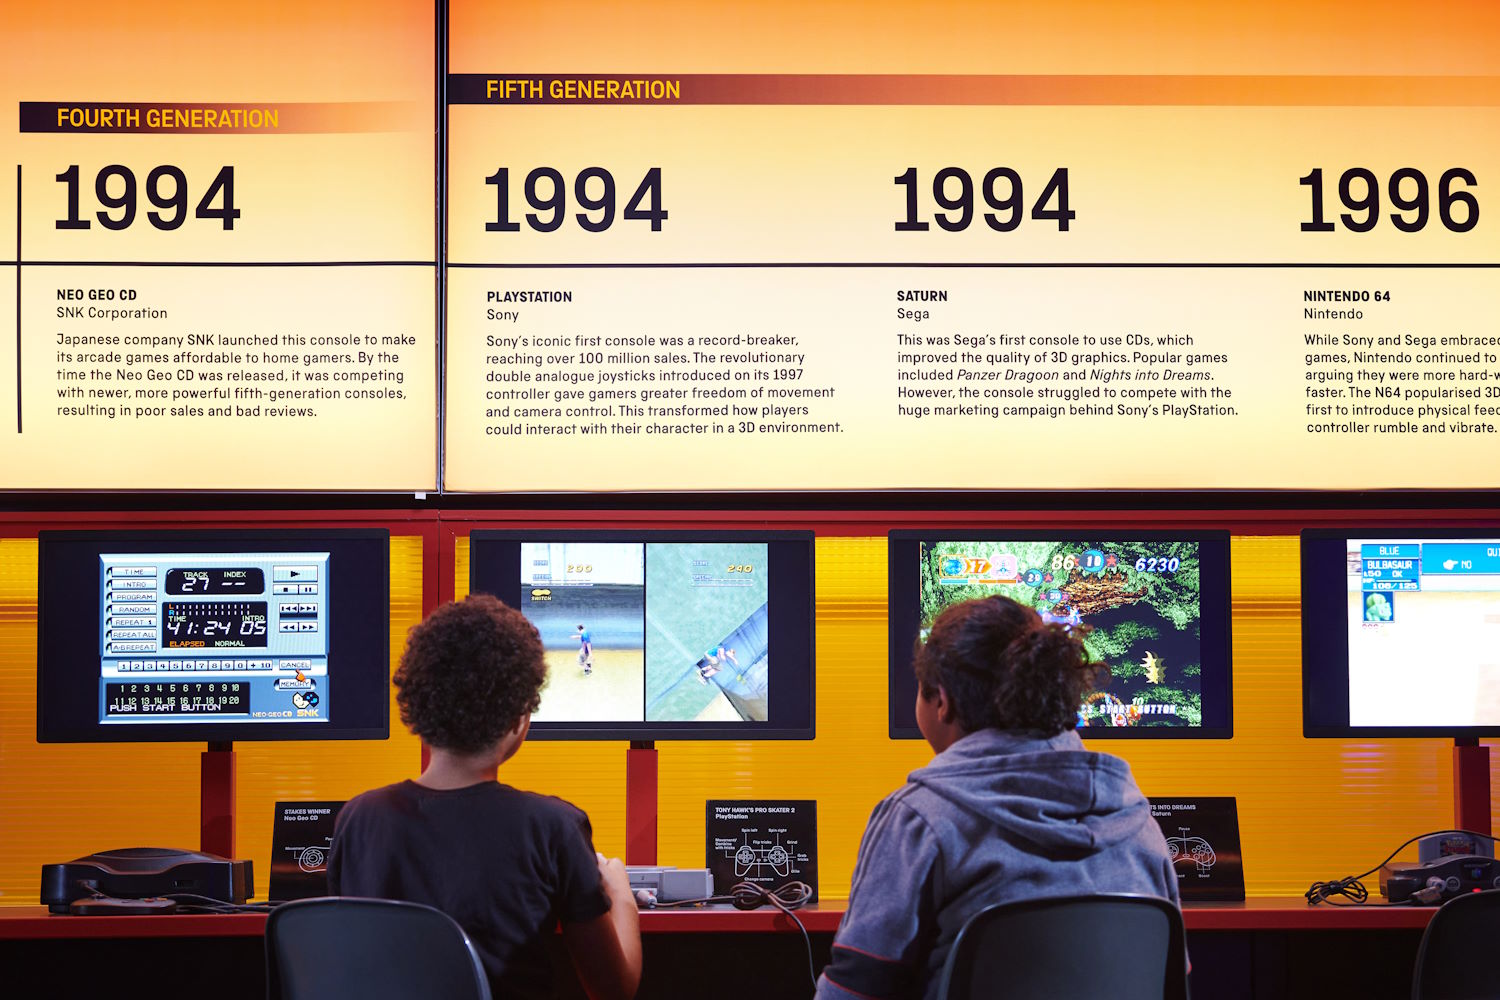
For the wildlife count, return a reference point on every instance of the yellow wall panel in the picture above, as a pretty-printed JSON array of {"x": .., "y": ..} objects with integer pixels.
[
  {"x": 62, "y": 801},
  {"x": 281, "y": 771}
]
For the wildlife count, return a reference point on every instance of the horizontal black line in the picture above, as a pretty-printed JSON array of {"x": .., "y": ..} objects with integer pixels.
[
  {"x": 228, "y": 263},
  {"x": 972, "y": 264},
  {"x": 1330, "y": 506},
  {"x": 764, "y": 264}
]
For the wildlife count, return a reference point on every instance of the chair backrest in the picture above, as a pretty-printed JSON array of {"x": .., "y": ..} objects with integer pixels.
[
  {"x": 1453, "y": 962},
  {"x": 374, "y": 949},
  {"x": 1103, "y": 947}
]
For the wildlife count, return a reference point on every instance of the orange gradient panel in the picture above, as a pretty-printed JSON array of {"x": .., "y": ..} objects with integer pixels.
[
  {"x": 266, "y": 50},
  {"x": 179, "y": 51},
  {"x": 1217, "y": 185},
  {"x": 304, "y": 229},
  {"x": 1114, "y": 430},
  {"x": 817, "y": 184},
  {"x": 308, "y": 404},
  {"x": 978, "y": 36},
  {"x": 348, "y": 176}
]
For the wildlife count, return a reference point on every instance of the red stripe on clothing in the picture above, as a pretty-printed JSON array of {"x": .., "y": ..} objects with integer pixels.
[
  {"x": 853, "y": 993},
  {"x": 868, "y": 954}
]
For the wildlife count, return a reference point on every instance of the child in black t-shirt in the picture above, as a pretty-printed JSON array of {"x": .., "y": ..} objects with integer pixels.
[{"x": 508, "y": 865}]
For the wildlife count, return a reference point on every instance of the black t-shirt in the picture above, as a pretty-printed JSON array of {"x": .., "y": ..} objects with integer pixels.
[{"x": 507, "y": 865}]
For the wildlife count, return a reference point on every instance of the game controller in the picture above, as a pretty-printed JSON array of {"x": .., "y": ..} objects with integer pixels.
[
  {"x": 748, "y": 857},
  {"x": 1196, "y": 848},
  {"x": 652, "y": 885}
]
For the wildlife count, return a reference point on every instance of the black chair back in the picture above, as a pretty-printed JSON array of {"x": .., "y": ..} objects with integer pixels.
[
  {"x": 1105, "y": 947},
  {"x": 373, "y": 949},
  {"x": 1454, "y": 961}
]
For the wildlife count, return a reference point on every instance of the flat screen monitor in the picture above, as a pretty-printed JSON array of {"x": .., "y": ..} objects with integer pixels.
[
  {"x": 1156, "y": 604},
  {"x": 215, "y": 636},
  {"x": 654, "y": 635},
  {"x": 1401, "y": 632}
]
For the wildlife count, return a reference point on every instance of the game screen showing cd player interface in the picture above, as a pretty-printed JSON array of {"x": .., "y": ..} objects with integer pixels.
[
  {"x": 1139, "y": 599},
  {"x": 213, "y": 637}
]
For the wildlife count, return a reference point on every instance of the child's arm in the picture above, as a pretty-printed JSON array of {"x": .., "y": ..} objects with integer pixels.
[
  {"x": 606, "y": 950},
  {"x": 882, "y": 945}
]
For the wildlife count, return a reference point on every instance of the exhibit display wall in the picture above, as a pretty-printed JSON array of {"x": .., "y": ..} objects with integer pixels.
[{"x": 64, "y": 801}]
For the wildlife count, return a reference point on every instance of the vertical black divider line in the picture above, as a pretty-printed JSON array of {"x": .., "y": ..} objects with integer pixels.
[
  {"x": 440, "y": 238},
  {"x": 645, "y": 628},
  {"x": 18, "y": 298}
]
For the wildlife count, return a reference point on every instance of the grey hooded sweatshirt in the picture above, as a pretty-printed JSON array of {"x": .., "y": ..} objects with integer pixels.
[{"x": 998, "y": 816}]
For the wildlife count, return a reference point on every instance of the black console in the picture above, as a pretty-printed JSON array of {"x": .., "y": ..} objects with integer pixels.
[
  {"x": 1448, "y": 877},
  {"x": 135, "y": 873}
]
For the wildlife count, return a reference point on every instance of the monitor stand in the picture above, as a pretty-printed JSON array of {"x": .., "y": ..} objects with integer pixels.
[
  {"x": 640, "y": 803},
  {"x": 216, "y": 800},
  {"x": 1471, "y": 785}
]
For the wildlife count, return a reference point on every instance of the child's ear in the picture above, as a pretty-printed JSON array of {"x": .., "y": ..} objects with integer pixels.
[{"x": 946, "y": 711}]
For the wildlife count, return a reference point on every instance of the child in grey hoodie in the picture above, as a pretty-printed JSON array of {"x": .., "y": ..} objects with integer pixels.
[{"x": 1011, "y": 808}]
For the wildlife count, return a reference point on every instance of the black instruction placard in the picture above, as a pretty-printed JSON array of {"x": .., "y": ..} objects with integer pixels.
[
  {"x": 301, "y": 835},
  {"x": 1203, "y": 837},
  {"x": 765, "y": 842}
]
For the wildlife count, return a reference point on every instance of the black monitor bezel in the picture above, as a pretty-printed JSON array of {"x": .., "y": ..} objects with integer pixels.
[
  {"x": 901, "y": 688},
  {"x": 1325, "y": 705},
  {"x": 783, "y": 601},
  {"x": 60, "y": 718}
]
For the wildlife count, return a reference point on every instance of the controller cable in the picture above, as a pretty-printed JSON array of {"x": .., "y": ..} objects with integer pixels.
[
  {"x": 786, "y": 897},
  {"x": 1351, "y": 888},
  {"x": 187, "y": 902}
]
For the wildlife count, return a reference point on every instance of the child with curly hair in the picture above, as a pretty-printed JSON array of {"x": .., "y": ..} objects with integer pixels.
[{"x": 508, "y": 865}]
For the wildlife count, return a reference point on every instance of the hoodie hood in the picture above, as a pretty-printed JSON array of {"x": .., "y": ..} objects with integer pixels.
[
  {"x": 997, "y": 817},
  {"x": 1048, "y": 792}
]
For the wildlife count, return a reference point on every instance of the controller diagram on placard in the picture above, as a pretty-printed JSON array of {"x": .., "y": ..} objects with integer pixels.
[
  {"x": 311, "y": 859},
  {"x": 1195, "y": 849},
  {"x": 760, "y": 858}
]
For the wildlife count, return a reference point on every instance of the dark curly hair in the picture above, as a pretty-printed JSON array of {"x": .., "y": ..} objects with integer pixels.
[
  {"x": 470, "y": 671},
  {"x": 1005, "y": 668}
]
